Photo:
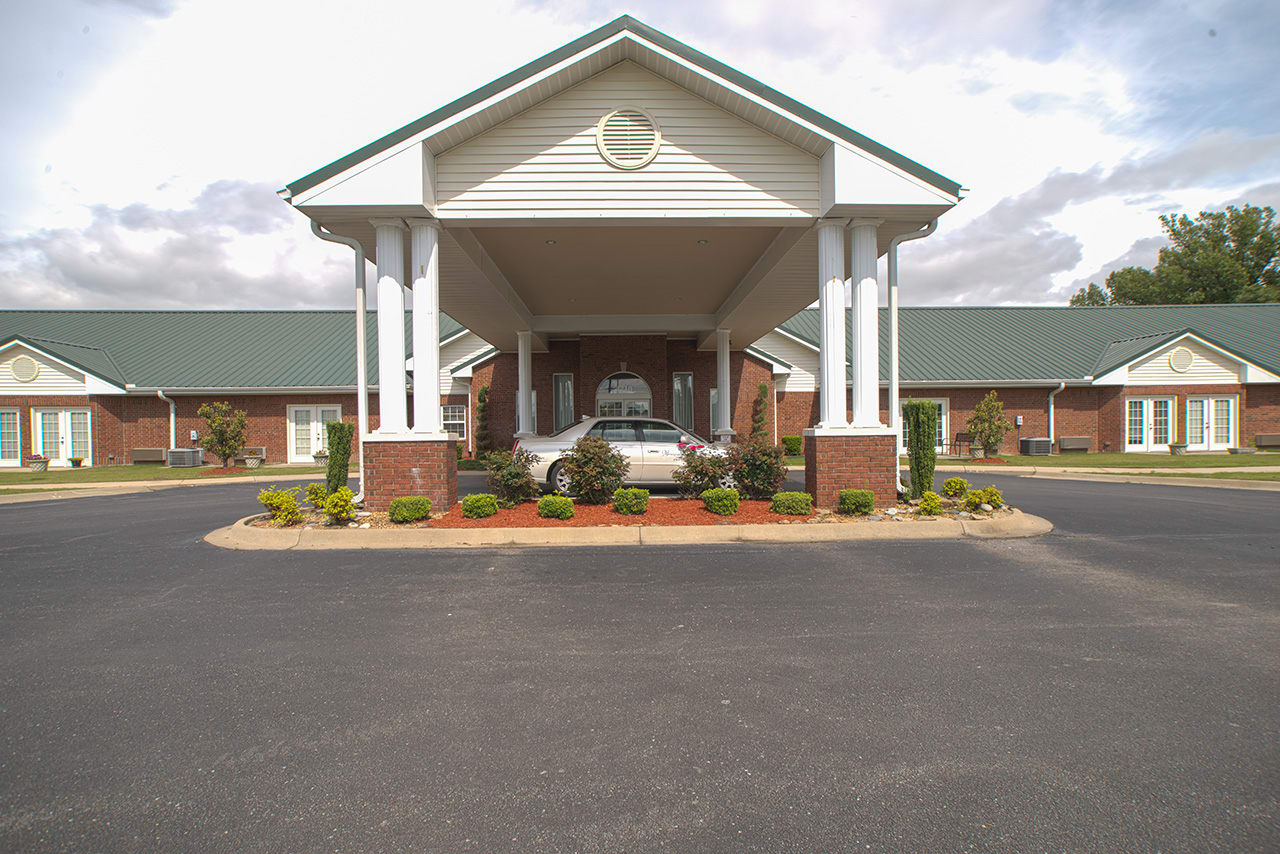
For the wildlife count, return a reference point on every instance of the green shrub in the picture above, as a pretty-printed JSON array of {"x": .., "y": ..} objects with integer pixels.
[
  {"x": 282, "y": 504},
  {"x": 316, "y": 494},
  {"x": 510, "y": 477},
  {"x": 993, "y": 496},
  {"x": 988, "y": 424},
  {"x": 479, "y": 506},
  {"x": 701, "y": 469},
  {"x": 555, "y": 507},
  {"x": 793, "y": 446},
  {"x": 756, "y": 466},
  {"x": 631, "y": 502},
  {"x": 484, "y": 439},
  {"x": 856, "y": 501},
  {"x": 760, "y": 412},
  {"x": 409, "y": 508},
  {"x": 723, "y": 502},
  {"x": 792, "y": 503},
  {"x": 223, "y": 430},
  {"x": 339, "y": 433},
  {"x": 974, "y": 500},
  {"x": 595, "y": 469},
  {"x": 921, "y": 418},
  {"x": 954, "y": 487},
  {"x": 339, "y": 506},
  {"x": 930, "y": 503}
]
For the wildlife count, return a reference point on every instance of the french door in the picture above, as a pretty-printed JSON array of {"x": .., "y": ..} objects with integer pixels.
[
  {"x": 1149, "y": 423},
  {"x": 61, "y": 434},
  {"x": 1211, "y": 423},
  {"x": 308, "y": 433},
  {"x": 10, "y": 446}
]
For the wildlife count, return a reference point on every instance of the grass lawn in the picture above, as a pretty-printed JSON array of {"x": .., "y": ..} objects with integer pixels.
[
  {"x": 1132, "y": 461},
  {"x": 1225, "y": 475},
  {"x": 793, "y": 461},
  {"x": 113, "y": 474}
]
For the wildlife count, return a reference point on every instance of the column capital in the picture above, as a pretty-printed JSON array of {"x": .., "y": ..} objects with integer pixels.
[
  {"x": 422, "y": 222},
  {"x": 833, "y": 221},
  {"x": 865, "y": 220},
  {"x": 392, "y": 221}
]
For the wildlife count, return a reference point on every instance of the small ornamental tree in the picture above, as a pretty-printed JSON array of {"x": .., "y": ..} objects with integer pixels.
[
  {"x": 988, "y": 424},
  {"x": 340, "y": 435},
  {"x": 224, "y": 430},
  {"x": 757, "y": 467},
  {"x": 596, "y": 469},
  {"x": 484, "y": 439},
  {"x": 760, "y": 412},
  {"x": 921, "y": 418}
]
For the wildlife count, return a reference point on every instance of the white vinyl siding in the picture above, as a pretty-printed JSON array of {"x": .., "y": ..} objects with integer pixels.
[
  {"x": 1208, "y": 367},
  {"x": 803, "y": 361},
  {"x": 544, "y": 162},
  {"x": 53, "y": 379},
  {"x": 465, "y": 347}
]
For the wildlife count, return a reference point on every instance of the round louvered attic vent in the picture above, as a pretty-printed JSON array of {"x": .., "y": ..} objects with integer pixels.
[
  {"x": 1180, "y": 360},
  {"x": 25, "y": 369},
  {"x": 628, "y": 138}
]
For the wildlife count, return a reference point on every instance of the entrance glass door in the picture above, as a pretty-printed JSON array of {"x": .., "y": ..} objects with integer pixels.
[
  {"x": 1148, "y": 424},
  {"x": 1211, "y": 423},
  {"x": 61, "y": 434},
  {"x": 308, "y": 431}
]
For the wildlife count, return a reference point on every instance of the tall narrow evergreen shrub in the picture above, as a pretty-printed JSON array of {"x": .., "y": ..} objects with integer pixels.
[
  {"x": 484, "y": 439},
  {"x": 921, "y": 418},
  {"x": 340, "y": 433},
  {"x": 760, "y": 412}
]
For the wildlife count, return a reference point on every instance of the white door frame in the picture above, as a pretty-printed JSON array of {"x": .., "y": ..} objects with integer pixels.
[
  {"x": 317, "y": 435},
  {"x": 1208, "y": 439},
  {"x": 61, "y": 456},
  {"x": 1146, "y": 407},
  {"x": 17, "y": 435}
]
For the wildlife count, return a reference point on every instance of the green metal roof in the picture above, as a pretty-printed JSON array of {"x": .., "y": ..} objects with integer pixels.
[
  {"x": 206, "y": 349},
  {"x": 618, "y": 25},
  {"x": 1012, "y": 344}
]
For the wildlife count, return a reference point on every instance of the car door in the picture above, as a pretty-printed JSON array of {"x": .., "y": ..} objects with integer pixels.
[
  {"x": 661, "y": 450},
  {"x": 624, "y": 435}
]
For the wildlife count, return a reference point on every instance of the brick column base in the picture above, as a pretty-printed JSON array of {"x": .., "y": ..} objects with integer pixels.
[
  {"x": 410, "y": 467},
  {"x": 833, "y": 463}
]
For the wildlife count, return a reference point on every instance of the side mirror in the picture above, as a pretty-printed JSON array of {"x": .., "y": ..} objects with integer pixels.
[{"x": 686, "y": 439}]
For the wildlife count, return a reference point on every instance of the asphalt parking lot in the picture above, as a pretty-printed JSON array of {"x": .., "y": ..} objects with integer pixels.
[{"x": 1113, "y": 686}]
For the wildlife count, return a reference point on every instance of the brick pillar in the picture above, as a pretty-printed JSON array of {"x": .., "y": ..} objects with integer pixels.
[
  {"x": 410, "y": 467},
  {"x": 844, "y": 461}
]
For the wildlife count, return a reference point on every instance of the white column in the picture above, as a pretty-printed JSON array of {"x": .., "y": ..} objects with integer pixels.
[
  {"x": 524, "y": 360},
  {"x": 831, "y": 413},
  {"x": 866, "y": 327},
  {"x": 724, "y": 384},
  {"x": 424, "y": 238},
  {"x": 392, "y": 402}
]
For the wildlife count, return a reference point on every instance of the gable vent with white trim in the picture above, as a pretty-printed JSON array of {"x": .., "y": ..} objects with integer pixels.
[
  {"x": 628, "y": 138},
  {"x": 24, "y": 369},
  {"x": 1181, "y": 359}
]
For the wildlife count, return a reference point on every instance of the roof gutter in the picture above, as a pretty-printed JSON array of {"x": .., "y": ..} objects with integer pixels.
[
  {"x": 895, "y": 413},
  {"x": 362, "y": 366},
  {"x": 173, "y": 418},
  {"x": 1052, "y": 395}
]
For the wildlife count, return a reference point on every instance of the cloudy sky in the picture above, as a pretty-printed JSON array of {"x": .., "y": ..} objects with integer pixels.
[{"x": 145, "y": 139}]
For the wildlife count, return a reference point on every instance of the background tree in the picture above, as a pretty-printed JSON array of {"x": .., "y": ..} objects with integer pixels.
[
  {"x": 223, "y": 430},
  {"x": 988, "y": 425},
  {"x": 760, "y": 411},
  {"x": 484, "y": 440},
  {"x": 1219, "y": 257}
]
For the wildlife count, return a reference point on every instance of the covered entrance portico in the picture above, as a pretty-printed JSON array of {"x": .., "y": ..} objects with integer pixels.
[{"x": 626, "y": 216}]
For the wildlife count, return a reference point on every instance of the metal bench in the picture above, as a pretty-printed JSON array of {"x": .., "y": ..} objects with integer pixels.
[
  {"x": 1267, "y": 440},
  {"x": 1075, "y": 443},
  {"x": 148, "y": 455},
  {"x": 964, "y": 440}
]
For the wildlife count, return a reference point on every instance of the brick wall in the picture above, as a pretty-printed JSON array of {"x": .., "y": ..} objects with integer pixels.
[
  {"x": 833, "y": 463},
  {"x": 396, "y": 469},
  {"x": 1260, "y": 413}
]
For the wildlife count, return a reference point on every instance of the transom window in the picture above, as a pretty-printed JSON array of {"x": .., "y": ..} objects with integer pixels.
[{"x": 623, "y": 394}]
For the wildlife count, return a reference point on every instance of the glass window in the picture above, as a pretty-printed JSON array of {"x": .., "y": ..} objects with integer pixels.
[
  {"x": 656, "y": 431},
  {"x": 8, "y": 435},
  {"x": 609, "y": 408},
  {"x": 302, "y": 432},
  {"x": 1222, "y": 421},
  {"x": 562, "y": 400},
  {"x": 454, "y": 419},
  {"x": 637, "y": 407},
  {"x": 615, "y": 431},
  {"x": 50, "y": 435},
  {"x": 715, "y": 410},
  {"x": 1195, "y": 421},
  {"x": 327, "y": 415},
  {"x": 533, "y": 406},
  {"x": 682, "y": 400},
  {"x": 80, "y": 435}
]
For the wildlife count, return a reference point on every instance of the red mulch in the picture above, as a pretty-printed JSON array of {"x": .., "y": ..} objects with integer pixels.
[
  {"x": 227, "y": 470},
  {"x": 668, "y": 511},
  {"x": 995, "y": 460}
]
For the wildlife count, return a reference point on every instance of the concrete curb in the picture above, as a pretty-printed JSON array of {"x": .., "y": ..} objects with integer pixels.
[
  {"x": 242, "y": 536},
  {"x": 124, "y": 487},
  {"x": 1212, "y": 483}
]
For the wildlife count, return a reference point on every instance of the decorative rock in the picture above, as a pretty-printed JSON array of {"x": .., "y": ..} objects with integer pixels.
[
  {"x": 964, "y": 514},
  {"x": 914, "y": 502},
  {"x": 352, "y": 525},
  {"x": 985, "y": 508},
  {"x": 366, "y": 525},
  {"x": 892, "y": 511},
  {"x": 363, "y": 513},
  {"x": 874, "y": 517}
]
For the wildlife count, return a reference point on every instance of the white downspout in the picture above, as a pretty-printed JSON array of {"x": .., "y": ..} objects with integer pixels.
[
  {"x": 173, "y": 419},
  {"x": 362, "y": 358},
  {"x": 1052, "y": 395},
  {"x": 895, "y": 409}
]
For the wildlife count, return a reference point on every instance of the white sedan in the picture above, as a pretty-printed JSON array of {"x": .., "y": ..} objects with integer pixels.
[{"x": 652, "y": 447}]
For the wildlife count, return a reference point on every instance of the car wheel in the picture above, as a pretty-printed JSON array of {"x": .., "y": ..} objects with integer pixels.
[{"x": 559, "y": 479}]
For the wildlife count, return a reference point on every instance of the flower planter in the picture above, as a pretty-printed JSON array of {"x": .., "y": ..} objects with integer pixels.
[
  {"x": 39, "y": 465},
  {"x": 321, "y": 459},
  {"x": 252, "y": 462},
  {"x": 76, "y": 462},
  {"x": 1177, "y": 449}
]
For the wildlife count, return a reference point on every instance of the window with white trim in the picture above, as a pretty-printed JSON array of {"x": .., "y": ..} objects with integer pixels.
[
  {"x": 715, "y": 411},
  {"x": 562, "y": 400},
  {"x": 682, "y": 400},
  {"x": 9, "y": 431},
  {"x": 533, "y": 410},
  {"x": 454, "y": 419}
]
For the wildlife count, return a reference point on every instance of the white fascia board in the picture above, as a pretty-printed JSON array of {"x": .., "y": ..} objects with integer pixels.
[
  {"x": 1117, "y": 376},
  {"x": 785, "y": 334},
  {"x": 635, "y": 324},
  {"x": 778, "y": 369},
  {"x": 93, "y": 384},
  {"x": 150, "y": 391},
  {"x": 847, "y": 176},
  {"x": 404, "y": 177},
  {"x": 1041, "y": 383},
  {"x": 466, "y": 372},
  {"x": 1255, "y": 374}
]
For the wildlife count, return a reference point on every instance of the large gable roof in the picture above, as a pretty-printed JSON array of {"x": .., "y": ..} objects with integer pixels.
[{"x": 624, "y": 25}]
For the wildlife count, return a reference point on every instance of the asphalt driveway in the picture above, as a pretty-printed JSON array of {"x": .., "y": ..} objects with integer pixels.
[{"x": 1110, "y": 687}]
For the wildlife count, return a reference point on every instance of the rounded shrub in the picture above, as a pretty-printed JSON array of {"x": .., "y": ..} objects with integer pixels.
[
  {"x": 555, "y": 507},
  {"x": 993, "y": 496},
  {"x": 793, "y": 445},
  {"x": 954, "y": 487},
  {"x": 756, "y": 466},
  {"x": 856, "y": 501},
  {"x": 974, "y": 499},
  {"x": 340, "y": 505},
  {"x": 723, "y": 502},
  {"x": 316, "y": 494},
  {"x": 480, "y": 505},
  {"x": 792, "y": 503},
  {"x": 930, "y": 504},
  {"x": 510, "y": 476},
  {"x": 409, "y": 508},
  {"x": 282, "y": 504},
  {"x": 700, "y": 469},
  {"x": 631, "y": 502},
  {"x": 595, "y": 469}
]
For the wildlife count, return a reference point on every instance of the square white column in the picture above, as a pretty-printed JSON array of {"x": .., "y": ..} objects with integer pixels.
[
  {"x": 424, "y": 240},
  {"x": 831, "y": 412},
  {"x": 524, "y": 396},
  {"x": 866, "y": 322},
  {"x": 724, "y": 384},
  {"x": 392, "y": 399}
]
